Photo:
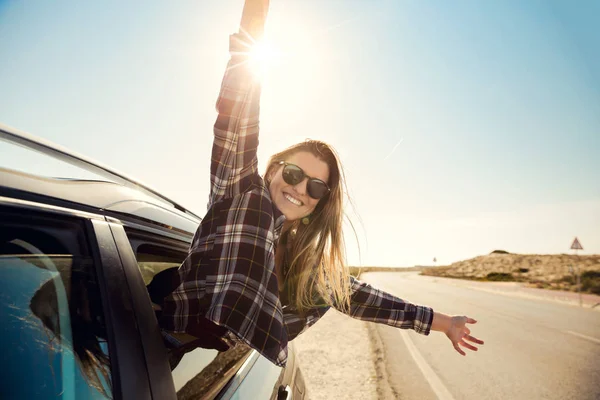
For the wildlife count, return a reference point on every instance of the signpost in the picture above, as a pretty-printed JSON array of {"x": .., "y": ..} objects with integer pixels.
[{"x": 577, "y": 246}]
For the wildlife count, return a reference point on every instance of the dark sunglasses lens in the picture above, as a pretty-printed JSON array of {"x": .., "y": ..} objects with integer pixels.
[
  {"x": 316, "y": 189},
  {"x": 292, "y": 174}
]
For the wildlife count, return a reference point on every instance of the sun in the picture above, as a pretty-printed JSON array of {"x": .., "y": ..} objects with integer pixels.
[{"x": 263, "y": 57}]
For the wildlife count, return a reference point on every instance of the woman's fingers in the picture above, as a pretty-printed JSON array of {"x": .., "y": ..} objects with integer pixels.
[
  {"x": 473, "y": 339},
  {"x": 467, "y": 345},
  {"x": 460, "y": 351},
  {"x": 471, "y": 321}
]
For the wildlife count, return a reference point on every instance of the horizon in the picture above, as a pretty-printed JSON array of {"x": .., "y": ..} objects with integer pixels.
[{"x": 463, "y": 128}]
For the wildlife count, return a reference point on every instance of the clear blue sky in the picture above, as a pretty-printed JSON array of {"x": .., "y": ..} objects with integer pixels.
[{"x": 464, "y": 126}]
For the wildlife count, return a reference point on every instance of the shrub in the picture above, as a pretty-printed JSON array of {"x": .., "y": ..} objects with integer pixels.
[
  {"x": 590, "y": 275},
  {"x": 568, "y": 279},
  {"x": 499, "y": 276},
  {"x": 499, "y": 252},
  {"x": 595, "y": 289},
  {"x": 590, "y": 282}
]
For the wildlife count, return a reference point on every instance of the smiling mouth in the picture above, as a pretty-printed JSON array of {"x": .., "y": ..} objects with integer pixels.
[{"x": 292, "y": 200}]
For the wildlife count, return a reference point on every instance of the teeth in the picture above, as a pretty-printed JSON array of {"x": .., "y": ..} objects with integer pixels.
[{"x": 292, "y": 200}]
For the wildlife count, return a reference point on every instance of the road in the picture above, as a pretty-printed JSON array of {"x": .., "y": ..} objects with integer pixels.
[{"x": 533, "y": 349}]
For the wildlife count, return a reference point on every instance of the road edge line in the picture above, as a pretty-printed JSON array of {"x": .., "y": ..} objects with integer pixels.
[
  {"x": 584, "y": 336},
  {"x": 431, "y": 377}
]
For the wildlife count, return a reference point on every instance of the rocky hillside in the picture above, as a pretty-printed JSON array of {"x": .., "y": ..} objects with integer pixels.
[{"x": 544, "y": 271}]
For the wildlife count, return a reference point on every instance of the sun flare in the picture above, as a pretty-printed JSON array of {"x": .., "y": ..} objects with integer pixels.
[{"x": 263, "y": 57}]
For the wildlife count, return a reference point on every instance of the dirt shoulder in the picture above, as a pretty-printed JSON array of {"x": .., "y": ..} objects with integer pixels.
[
  {"x": 338, "y": 359},
  {"x": 343, "y": 358}
]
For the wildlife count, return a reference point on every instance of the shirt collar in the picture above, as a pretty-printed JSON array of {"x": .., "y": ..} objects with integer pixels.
[
  {"x": 279, "y": 220},
  {"x": 278, "y": 216}
]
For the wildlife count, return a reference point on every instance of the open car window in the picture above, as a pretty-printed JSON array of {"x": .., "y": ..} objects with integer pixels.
[{"x": 199, "y": 373}]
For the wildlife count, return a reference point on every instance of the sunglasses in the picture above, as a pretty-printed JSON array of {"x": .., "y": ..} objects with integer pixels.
[{"x": 293, "y": 175}]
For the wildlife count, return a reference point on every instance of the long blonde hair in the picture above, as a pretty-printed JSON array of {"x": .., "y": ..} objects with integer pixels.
[{"x": 318, "y": 274}]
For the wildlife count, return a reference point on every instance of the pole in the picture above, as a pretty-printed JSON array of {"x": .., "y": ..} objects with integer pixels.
[
  {"x": 579, "y": 280},
  {"x": 579, "y": 286},
  {"x": 577, "y": 246}
]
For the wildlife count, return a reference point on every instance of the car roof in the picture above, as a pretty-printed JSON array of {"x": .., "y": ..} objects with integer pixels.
[{"x": 118, "y": 194}]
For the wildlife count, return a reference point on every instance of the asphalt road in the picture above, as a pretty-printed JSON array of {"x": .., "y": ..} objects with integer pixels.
[{"x": 533, "y": 349}]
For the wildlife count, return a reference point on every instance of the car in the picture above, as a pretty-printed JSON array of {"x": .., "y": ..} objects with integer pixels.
[{"x": 76, "y": 318}]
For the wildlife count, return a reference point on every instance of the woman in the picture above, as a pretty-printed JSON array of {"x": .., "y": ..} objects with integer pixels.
[{"x": 267, "y": 260}]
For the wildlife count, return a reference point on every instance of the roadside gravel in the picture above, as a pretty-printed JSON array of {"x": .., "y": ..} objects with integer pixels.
[{"x": 339, "y": 359}]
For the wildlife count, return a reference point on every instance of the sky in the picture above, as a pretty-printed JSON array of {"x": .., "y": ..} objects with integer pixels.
[{"x": 463, "y": 127}]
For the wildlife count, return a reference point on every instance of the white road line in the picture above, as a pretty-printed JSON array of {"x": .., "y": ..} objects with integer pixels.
[
  {"x": 584, "y": 336},
  {"x": 434, "y": 381}
]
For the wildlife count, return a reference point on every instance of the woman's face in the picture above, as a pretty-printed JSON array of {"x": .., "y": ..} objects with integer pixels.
[{"x": 294, "y": 201}]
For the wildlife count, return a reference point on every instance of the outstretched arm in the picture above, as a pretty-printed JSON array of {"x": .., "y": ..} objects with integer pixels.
[
  {"x": 370, "y": 304},
  {"x": 234, "y": 165}
]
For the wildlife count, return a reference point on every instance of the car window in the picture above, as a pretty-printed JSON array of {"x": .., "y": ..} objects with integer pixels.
[
  {"x": 153, "y": 259},
  {"x": 199, "y": 373},
  {"x": 52, "y": 330}
]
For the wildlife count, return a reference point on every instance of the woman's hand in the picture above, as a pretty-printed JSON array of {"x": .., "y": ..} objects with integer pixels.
[
  {"x": 460, "y": 335},
  {"x": 457, "y": 331}
]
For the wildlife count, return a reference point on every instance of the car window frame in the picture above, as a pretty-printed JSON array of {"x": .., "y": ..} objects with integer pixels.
[
  {"x": 174, "y": 241},
  {"x": 164, "y": 237},
  {"x": 155, "y": 353},
  {"x": 171, "y": 241},
  {"x": 129, "y": 373}
]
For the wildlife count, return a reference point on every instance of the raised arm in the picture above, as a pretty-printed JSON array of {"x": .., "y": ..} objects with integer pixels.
[
  {"x": 234, "y": 164},
  {"x": 254, "y": 16}
]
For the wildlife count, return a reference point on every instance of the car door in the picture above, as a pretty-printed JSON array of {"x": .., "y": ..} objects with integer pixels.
[
  {"x": 201, "y": 373},
  {"x": 68, "y": 327}
]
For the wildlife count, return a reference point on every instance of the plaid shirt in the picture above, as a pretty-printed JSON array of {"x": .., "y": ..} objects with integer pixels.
[{"x": 229, "y": 275}]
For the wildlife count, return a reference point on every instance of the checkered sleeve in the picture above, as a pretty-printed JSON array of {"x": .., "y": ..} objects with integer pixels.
[
  {"x": 241, "y": 286},
  {"x": 296, "y": 324},
  {"x": 233, "y": 160},
  {"x": 374, "y": 305}
]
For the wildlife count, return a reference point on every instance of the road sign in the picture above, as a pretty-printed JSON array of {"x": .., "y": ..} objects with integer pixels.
[{"x": 576, "y": 245}]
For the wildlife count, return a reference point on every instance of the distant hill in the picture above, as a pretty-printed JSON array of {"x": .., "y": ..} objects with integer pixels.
[{"x": 544, "y": 271}]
